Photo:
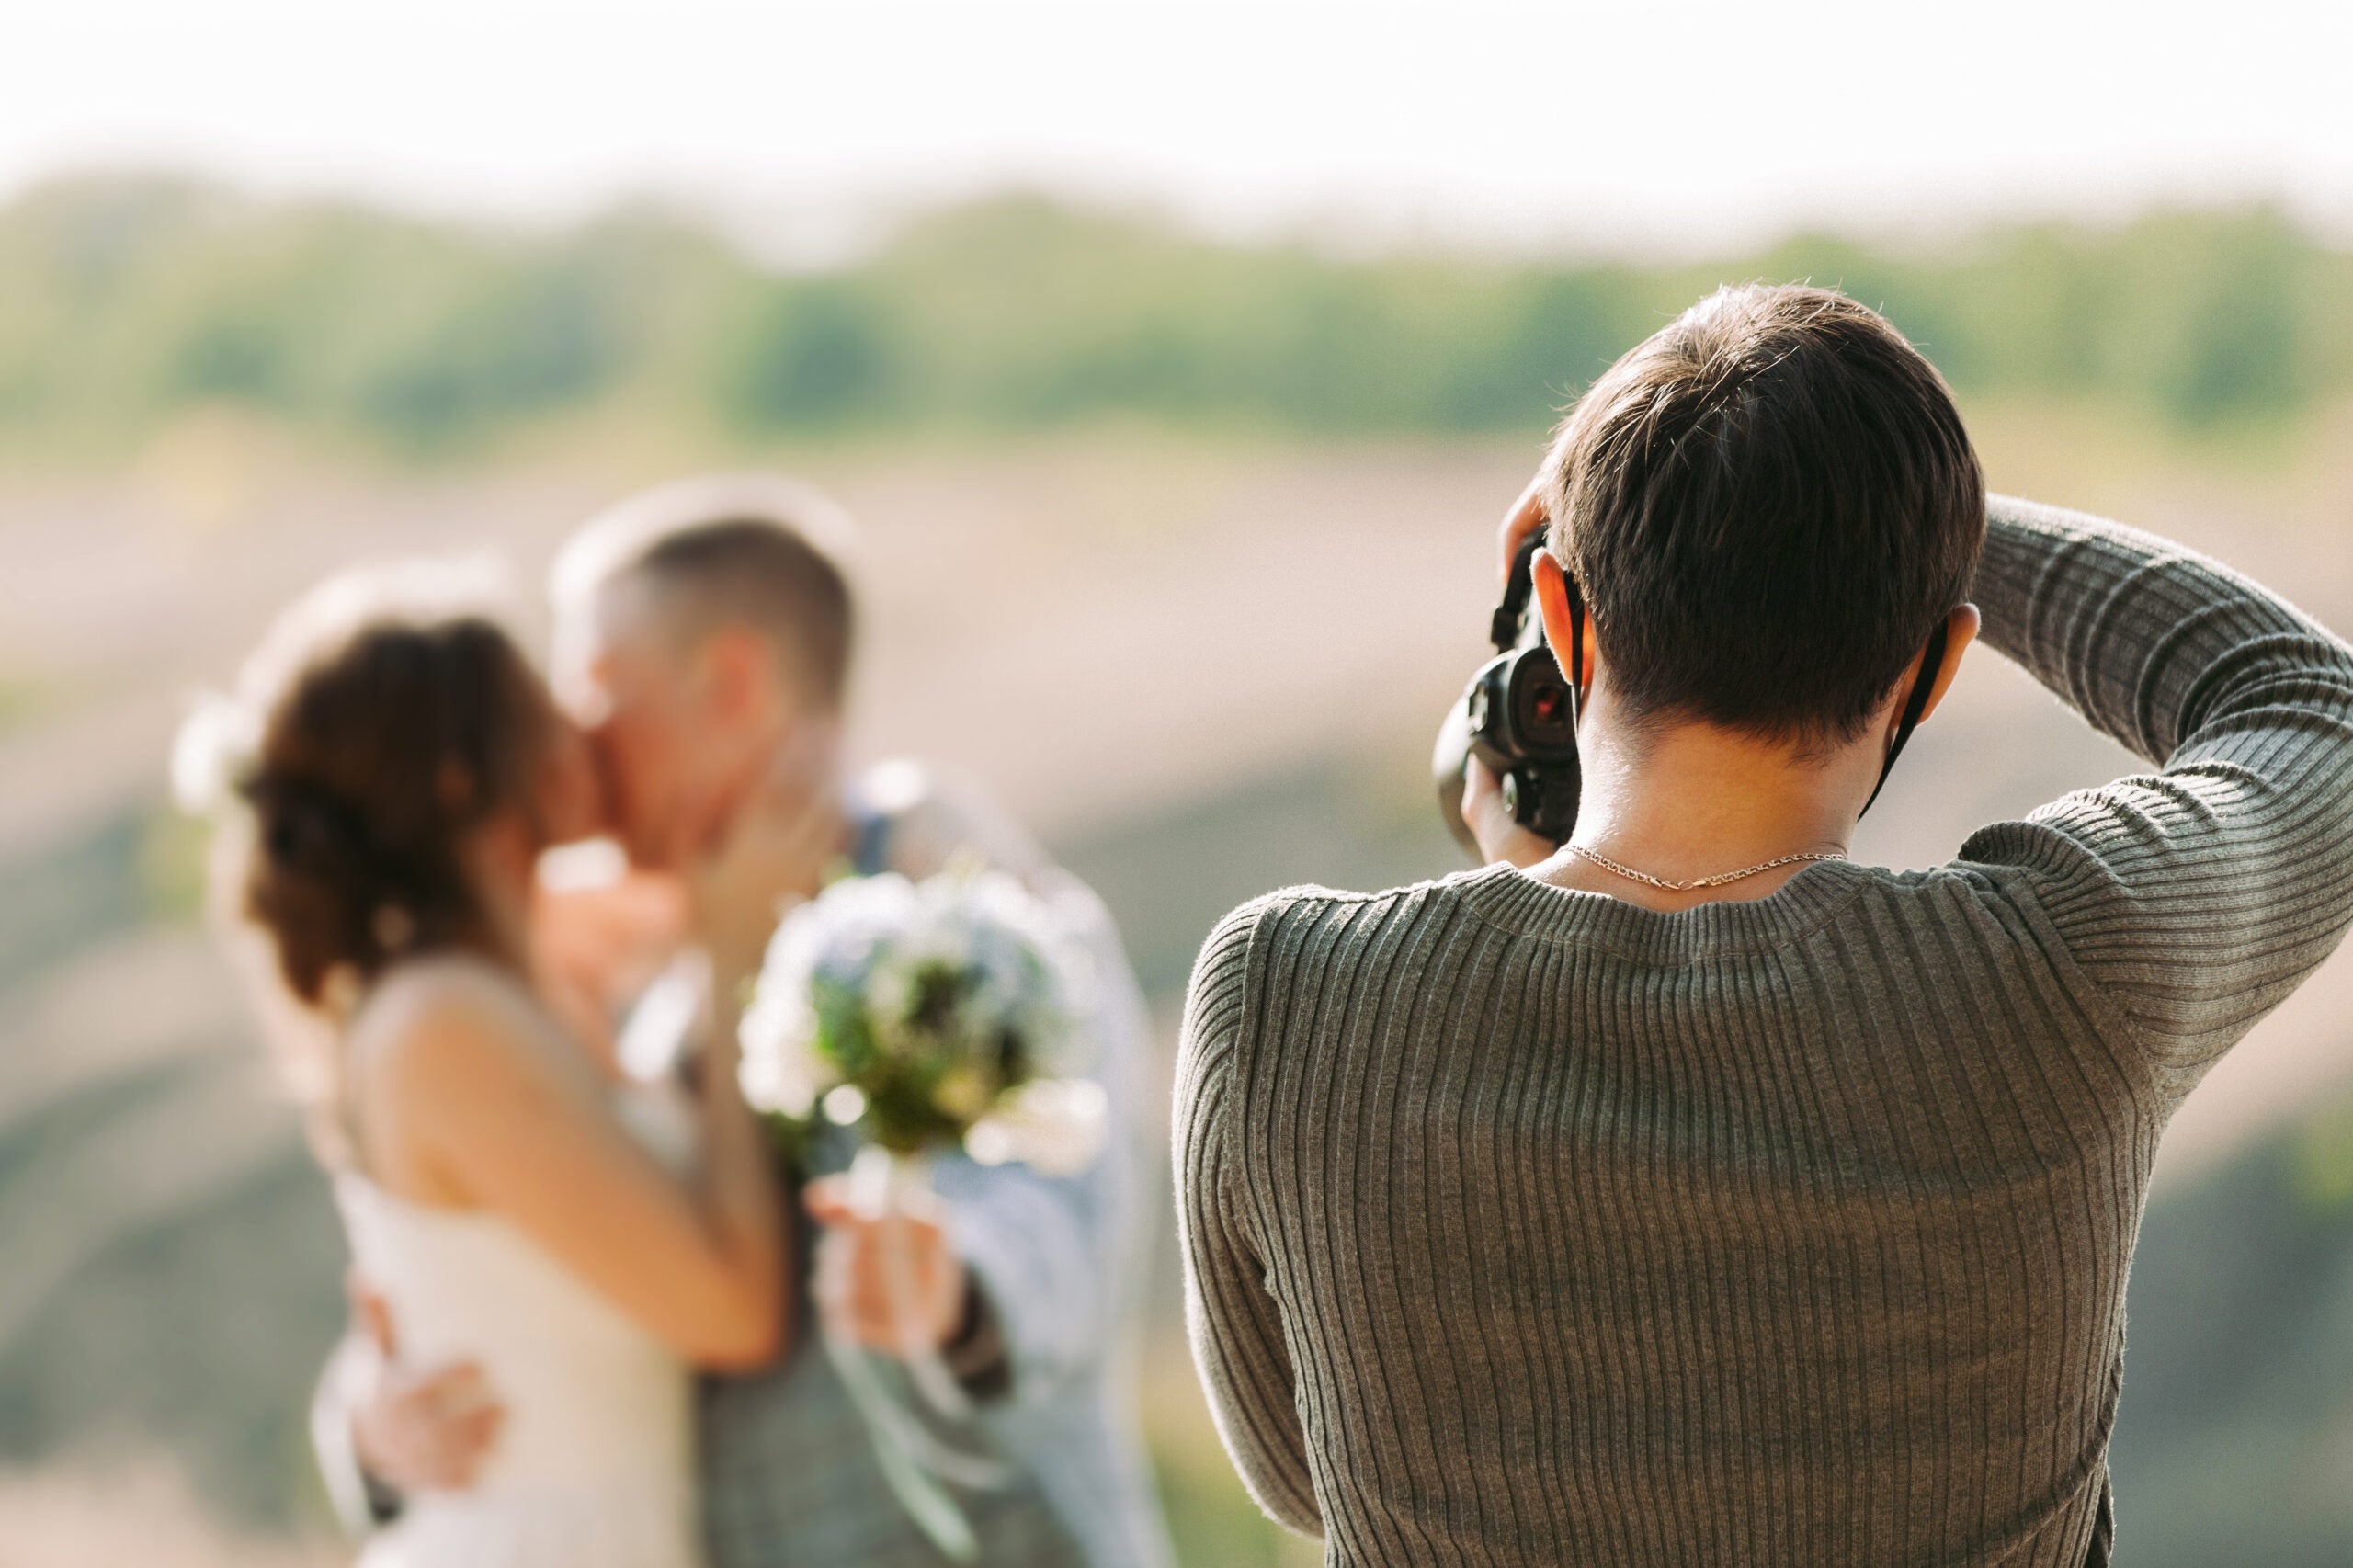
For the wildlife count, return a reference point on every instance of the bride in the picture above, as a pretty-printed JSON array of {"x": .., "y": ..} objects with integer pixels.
[{"x": 516, "y": 1201}]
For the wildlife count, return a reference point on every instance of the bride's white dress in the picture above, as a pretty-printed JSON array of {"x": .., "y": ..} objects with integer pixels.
[{"x": 593, "y": 1466}]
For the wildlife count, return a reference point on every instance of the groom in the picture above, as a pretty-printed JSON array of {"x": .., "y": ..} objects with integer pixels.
[{"x": 704, "y": 634}]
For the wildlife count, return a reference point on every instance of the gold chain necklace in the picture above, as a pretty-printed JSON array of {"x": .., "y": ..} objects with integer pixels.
[{"x": 1689, "y": 883}]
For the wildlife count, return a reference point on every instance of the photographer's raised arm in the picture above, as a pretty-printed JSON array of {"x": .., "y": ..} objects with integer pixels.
[{"x": 2198, "y": 897}]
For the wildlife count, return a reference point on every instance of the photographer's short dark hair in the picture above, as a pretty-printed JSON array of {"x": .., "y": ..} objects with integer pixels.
[{"x": 1768, "y": 504}]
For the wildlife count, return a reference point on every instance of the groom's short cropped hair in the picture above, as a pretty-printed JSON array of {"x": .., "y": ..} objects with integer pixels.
[
  {"x": 1768, "y": 504},
  {"x": 749, "y": 549}
]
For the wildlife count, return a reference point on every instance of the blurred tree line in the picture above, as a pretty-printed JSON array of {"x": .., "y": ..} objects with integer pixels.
[{"x": 123, "y": 301}]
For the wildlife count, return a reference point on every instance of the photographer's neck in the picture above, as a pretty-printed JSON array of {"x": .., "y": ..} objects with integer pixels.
[{"x": 1696, "y": 801}]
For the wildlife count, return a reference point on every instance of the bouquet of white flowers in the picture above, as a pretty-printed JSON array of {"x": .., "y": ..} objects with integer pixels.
[
  {"x": 923, "y": 1017},
  {"x": 927, "y": 1016}
]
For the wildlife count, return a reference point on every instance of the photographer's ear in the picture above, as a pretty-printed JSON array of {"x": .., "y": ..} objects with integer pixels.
[
  {"x": 1961, "y": 631},
  {"x": 1560, "y": 625}
]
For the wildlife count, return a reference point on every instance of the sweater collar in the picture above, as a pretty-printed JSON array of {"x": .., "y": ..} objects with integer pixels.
[{"x": 1505, "y": 896}]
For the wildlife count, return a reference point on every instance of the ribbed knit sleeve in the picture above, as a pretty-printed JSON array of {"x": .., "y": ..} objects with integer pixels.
[
  {"x": 1237, "y": 1335},
  {"x": 2196, "y": 898}
]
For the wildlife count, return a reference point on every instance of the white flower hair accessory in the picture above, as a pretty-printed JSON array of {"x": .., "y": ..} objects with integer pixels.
[{"x": 214, "y": 750}]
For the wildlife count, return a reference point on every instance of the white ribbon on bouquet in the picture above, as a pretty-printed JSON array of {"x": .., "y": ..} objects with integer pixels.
[{"x": 919, "y": 1464}]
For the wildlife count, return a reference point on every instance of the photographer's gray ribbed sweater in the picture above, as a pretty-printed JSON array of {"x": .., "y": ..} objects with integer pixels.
[{"x": 1525, "y": 1226}]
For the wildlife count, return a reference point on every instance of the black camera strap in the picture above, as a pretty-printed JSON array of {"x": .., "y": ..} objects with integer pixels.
[
  {"x": 1503, "y": 627},
  {"x": 1577, "y": 643},
  {"x": 1932, "y": 659}
]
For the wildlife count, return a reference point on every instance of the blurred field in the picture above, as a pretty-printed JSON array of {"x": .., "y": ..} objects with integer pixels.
[
  {"x": 127, "y": 1515},
  {"x": 1202, "y": 666}
]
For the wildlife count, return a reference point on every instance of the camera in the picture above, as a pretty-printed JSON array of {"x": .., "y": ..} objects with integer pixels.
[{"x": 1519, "y": 715}]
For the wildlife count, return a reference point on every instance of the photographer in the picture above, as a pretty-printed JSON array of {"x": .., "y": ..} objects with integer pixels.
[{"x": 1684, "y": 1193}]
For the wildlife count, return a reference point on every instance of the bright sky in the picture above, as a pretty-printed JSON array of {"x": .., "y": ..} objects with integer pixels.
[{"x": 1678, "y": 124}]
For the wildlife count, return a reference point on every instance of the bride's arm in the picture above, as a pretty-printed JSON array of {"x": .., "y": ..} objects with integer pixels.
[{"x": 483, "y": 1092}]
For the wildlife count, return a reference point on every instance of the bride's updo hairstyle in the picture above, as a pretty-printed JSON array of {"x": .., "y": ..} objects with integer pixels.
[{"x": 383, "y": 724}]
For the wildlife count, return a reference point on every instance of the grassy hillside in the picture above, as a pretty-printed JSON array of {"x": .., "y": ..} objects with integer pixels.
[{"x": 2236, "y": 1429}]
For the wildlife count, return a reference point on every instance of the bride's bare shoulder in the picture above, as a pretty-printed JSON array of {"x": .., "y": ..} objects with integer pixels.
[{"x": 445, "y": 1013}]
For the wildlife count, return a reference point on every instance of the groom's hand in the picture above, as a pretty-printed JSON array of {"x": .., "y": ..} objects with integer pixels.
[
  {"x": 419, "y": 1432},
  {"x": 429, "y": 1431},
  {"x": 864, "y": 1261}
]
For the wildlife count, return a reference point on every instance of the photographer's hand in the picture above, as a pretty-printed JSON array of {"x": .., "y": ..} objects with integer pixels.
[
  {"x": 1527, "y": 515},
  {"x": 1500, "y": 838}
]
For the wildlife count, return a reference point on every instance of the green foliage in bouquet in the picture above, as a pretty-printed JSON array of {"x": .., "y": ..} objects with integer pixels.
[{"x": 926, "y": 1082}]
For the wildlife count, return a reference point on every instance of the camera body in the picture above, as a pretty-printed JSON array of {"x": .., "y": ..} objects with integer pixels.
[{"x": 1519, "y": 715}]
